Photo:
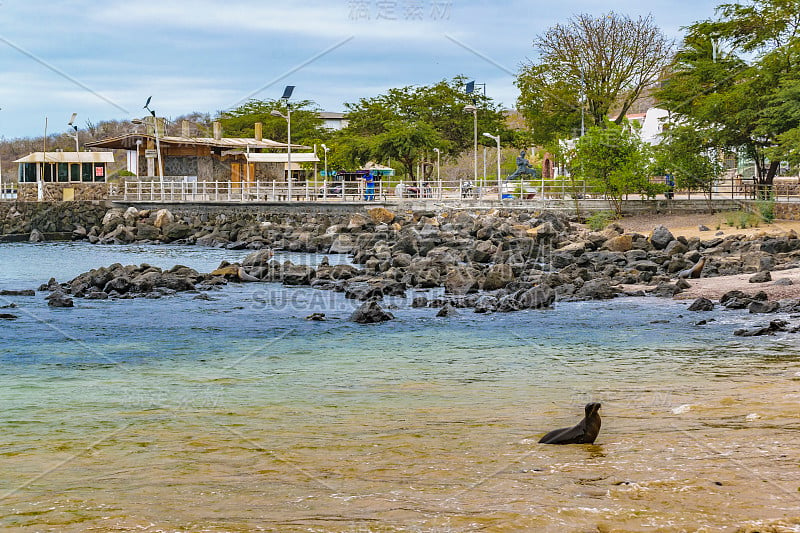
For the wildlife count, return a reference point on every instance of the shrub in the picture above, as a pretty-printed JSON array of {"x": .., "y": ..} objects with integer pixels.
[
  {"x": 730, "y": 218},
  {"x": 766, "y": 210},
  {"x": 746, "y": 219},
  {"x": 598, "y": 221}
]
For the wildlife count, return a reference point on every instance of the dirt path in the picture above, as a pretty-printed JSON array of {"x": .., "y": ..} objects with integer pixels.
[
  {"x": 687, "y": 225},
  {"x": 712, "y": 288}
]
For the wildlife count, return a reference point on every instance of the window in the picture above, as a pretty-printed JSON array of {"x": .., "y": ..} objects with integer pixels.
[
  {"x": 75, "y": 172},
  {"x": 27, "y": 173},
  {"x": 99, "y": 172},
  {"x": 87, "y": 169},
  {"x": 63, "y": 172},
  {"x": 49, "y": 172}
]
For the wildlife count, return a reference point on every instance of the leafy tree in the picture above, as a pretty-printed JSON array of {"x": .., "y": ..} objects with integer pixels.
[
  {"x": 783, "y": 113},
  {"x": 406, "y": 142},
  {"x": 690, "y": 156},
  {"x": 609, "y": 60},
  {"x": 440, "y": 106},
  {"x": 615, "y": 161},
  {"x": 348, "y": 151},
  {"x": 732, "y": 75},
  {"x": 550, "y": 104},
  {"x": 306, "y": 124}
]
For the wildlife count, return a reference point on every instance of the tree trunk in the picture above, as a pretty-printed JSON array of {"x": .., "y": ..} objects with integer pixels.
[{"x": 765, "y": 179}]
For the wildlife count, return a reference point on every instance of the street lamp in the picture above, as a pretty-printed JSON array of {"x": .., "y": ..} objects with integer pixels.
[
  {"x": 474, "y": 110},
  {"x": 158, "y": 144},
  {"x": 287, "y": 93},
  {"x": 74, "y": 135},
  {"x": 438, "y": 171},
  {"x": 497, "y": 140},
  {"x": 325, "y": 181}
]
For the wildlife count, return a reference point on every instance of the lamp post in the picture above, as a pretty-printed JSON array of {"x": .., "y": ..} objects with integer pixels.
[
  {"x": 287, "y": 93},
  {"x": 325, "y": 181},
  {"x": 497, "y": 140},
  {"x": 158, "y": 145},
  {"x": 439, "y": 170},
  {"x": 71, "y": 123},
  {"x": 474, "y": 110}
]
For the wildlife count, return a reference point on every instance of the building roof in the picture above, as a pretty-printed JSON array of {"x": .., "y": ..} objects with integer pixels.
[
  {"x": 330, "y": 115},
  {"x": 67, "y": 157},
  {"x": 128, "y": 142},
  {"x": 371, "y": 165},
  {"x": 281, "y": 157}
]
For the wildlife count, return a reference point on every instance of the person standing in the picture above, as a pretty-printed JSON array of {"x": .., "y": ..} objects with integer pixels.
[{"x": 369, "y": 189}]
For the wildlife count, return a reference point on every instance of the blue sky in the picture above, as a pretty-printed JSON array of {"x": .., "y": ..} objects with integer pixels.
[{"x": 103, "y": 59}]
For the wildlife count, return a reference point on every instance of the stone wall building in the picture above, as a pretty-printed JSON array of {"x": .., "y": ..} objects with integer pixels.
[
  {"x": 229, "y": 160},
  {"x": 63, "y": 176}
]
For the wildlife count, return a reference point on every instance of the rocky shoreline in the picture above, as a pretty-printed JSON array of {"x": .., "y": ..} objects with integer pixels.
[{"x": 496, "y": 261}]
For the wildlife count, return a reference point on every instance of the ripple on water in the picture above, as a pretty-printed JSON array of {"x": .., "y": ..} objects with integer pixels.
[{"x": 237, "y": 414}]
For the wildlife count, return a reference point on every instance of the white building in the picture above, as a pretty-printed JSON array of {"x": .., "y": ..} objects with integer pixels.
[
  {"x": 651, "y": 123},
  {"x": 333, "y": 121}
]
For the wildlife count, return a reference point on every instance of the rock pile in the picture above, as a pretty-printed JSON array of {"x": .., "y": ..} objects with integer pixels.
[
  {"x": 131, "y": 281},
  {"x": 490, "y": 261}
]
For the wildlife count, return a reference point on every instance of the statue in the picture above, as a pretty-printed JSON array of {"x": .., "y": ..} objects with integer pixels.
[{"x": 523, "y": 168}]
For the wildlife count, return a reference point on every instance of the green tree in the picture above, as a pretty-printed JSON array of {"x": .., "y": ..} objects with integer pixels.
[
  {"x": 783, "y": 113},
  {"x": 306, "y": 124},
  {"x": 406, "y": 142},
  {"x": 348, "y": 151},
  {"x": 550, "y": 104},
  {"x": 614, "y": 161},
  {"x": 729, "y": 76},
  {"x": 608, "y": 61},
  {"x": 440, "y": 106},
  {"x": 690, "y": 156}
]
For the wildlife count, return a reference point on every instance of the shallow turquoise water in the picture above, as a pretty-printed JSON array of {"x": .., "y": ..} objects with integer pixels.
[{"x": 237, "y": 414}]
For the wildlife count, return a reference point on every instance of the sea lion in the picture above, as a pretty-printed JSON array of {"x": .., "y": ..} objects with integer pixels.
[
  {"x": 584, "y": 433},
  {"x": 693, "y": 272},
  {"x": 244, "y": 276}
]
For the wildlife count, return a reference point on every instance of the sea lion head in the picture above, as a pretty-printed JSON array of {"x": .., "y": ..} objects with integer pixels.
[{"x": 592, "y": 408}]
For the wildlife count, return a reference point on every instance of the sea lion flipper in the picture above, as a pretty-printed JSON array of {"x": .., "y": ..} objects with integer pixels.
[
  {"x": 562, "y": 436},
  {"x": 585, "y": 432}
]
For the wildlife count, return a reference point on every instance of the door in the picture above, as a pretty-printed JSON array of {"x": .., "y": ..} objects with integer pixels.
[
  {"x": 236, "y": 175},
  {"x": 251, "y": 174}
]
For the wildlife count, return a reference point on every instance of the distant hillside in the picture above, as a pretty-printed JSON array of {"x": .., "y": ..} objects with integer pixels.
[{"x": 13, "y": 149}]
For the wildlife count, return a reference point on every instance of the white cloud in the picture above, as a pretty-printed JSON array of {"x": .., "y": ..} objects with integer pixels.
[
  {"x": 206, "y": 55},
  {"x": 311, "y": 19}
]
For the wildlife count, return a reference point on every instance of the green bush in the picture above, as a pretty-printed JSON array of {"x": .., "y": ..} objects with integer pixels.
[
  {"x": 601, "y": 219},
  {"x": 766, "y": 210},
  {"x": 745, "y": 219},
  {"x": 731, "y": 217}
]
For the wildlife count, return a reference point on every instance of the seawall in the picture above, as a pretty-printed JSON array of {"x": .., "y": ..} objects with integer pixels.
[
  {"x": 58, "y": 220},
  {"x": 18, "y": 219}
]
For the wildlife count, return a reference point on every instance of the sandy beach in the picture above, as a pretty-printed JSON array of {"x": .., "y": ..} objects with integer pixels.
[{"x": 714, "y": 287}]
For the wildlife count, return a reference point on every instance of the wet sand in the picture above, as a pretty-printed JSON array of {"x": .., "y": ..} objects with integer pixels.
[
  {"x": 688, "y": 225},
  {"x": 713, "y": 288}
]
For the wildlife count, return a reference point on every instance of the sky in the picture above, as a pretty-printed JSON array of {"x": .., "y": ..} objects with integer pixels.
[{"x": 103, "y": 59}]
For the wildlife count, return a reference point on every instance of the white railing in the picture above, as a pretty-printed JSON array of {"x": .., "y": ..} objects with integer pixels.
[
  {"x": 8, "y": 191},
  {"x": 181, "y": 190},
  {"x": 538, "y": 191}
]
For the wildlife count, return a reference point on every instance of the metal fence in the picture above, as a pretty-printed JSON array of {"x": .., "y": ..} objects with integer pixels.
[
  {"x": 181, "y": 190},
  {"x": 188, "y": 189},
  {"x": 8, "y": 191}
]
